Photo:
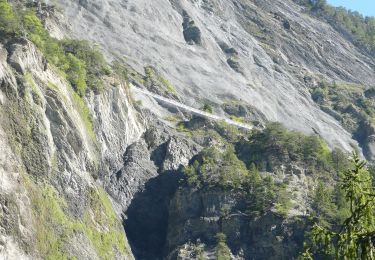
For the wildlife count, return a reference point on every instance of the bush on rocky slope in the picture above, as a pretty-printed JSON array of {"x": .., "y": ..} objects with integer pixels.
[
  {"x": 273, "y": 146},
  {"x": 83, "y": 64},
  {"x": 8, "y": 21},
  {"x": 352, "y": 103},
  {"x": 353, "y": 106},
  {"x": 220, "y": 167},
  {"x": 217, "y": 168},
  {"x": 93, "y": 60},
  {"x": 222, "y": 250},
  {"x": 250, "y": 195},
  {"x": 271, "y": 149}
]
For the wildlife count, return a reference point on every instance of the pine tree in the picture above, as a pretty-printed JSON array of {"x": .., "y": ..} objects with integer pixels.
[{"x": 355, "y": 237}]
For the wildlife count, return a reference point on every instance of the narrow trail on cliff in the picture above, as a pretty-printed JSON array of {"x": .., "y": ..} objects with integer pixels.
[{"x": 191, "y": 109}]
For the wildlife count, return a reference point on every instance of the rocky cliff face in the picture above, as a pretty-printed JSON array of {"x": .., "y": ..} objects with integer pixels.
[
  {"x": 51, "y": 158},
  {"x": 56, "y": 164},
  {"x": 81, "y": 175},
  {"x": 275, "y": 45},
  {"x": 196, "y": 217}
]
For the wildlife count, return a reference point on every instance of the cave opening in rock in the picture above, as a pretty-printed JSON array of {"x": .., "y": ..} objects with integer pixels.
[{"x": 146, "y": 220}]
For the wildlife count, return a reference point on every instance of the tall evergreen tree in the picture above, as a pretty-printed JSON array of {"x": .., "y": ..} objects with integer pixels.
[{"x": 355, "y": 237}]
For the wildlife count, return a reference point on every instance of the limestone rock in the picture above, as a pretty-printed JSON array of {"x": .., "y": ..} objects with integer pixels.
[{"x": 178, "y": 153}]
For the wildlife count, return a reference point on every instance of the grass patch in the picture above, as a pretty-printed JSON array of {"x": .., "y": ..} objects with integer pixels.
[
  {"x": 170, "y": 88},
  {"x": 152, "y": 77},
  {"x": 182, "y": 129},
  {"x": 85, "y": 115},
  {"x": 55, "y": 227},
  {"x": 102, "y": 214},
  {"x": 173, "y": 119},
  {"x": 238, "y": 119}
]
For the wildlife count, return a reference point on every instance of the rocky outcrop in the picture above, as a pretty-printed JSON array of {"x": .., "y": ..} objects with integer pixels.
[
  {"x": 147, "y": 181},
  {"x": 137, "y": 170},
  {"x": 160, "y": 149},
  {"x": 116, "y": 125},
  {"x": 178, "y": 153},
  {"x": 232, "y": 57},
  {"x": 366, "y": 135},
  {"x": 50, "y": 158},
  {"x": 241, "y": 110},
  {"x": 197, "y": 216},
  {"x": 192, "y": 34}
]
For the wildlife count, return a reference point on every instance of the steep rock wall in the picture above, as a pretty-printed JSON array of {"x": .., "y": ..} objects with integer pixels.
[
  {"x": 52, "y": 159},
  {"x": 274, "y": 43}
]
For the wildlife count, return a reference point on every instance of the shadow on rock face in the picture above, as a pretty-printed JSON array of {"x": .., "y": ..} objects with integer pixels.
[{"x": 147, "y": 216}]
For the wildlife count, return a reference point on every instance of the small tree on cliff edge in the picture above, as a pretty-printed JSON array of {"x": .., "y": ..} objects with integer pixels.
[
  {"x": 355, "y": 238},
  {"x": 318, "y": 4}
]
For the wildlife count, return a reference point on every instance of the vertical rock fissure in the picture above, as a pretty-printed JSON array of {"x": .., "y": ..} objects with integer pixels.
[{"x": 147, "y": 216}]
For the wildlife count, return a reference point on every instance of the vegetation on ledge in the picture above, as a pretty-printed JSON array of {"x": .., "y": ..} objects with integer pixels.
[
  {"x": 83, "y": 64},
  {"x": 274, "y": 146},
  {"x": 351, "y": 104},
  {"x": 55, "y": 227},
  {"x": 362, "y": 28}
]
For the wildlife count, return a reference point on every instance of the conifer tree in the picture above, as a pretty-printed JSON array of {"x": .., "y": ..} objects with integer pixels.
[{"x": 355, "y": 237}]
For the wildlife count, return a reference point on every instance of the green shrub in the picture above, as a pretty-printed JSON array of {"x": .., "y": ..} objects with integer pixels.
[
  {"x": 275, "y": 145},
  {"x": 261, "y": 193},
  {"x": 353, "y": 237},
  {"x": 323, "y": 205},
  {"x": 55, "y": 227},
  {"x": 238, "y": 119},
  {"x": 222, "y": 250},
  {"x": 33, "y": 25},
  {"x": 121, "y": 71},
  {"x": 207, "y": 108},
  {"x": 229, "y": 132},
  {"x": 93, "y": 60},
  {"x": 319, "y": 95},
  {"x": 8, "y": 21},
  {"x": 76, "y": 74},
  {"x": 362, "y": 28},
  {"x": 83, "y": 64},
  {"x": 216, "y": 168}
]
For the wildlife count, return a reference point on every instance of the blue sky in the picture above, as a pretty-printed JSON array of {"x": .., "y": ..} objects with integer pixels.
[{"x": 365, "y": 7}]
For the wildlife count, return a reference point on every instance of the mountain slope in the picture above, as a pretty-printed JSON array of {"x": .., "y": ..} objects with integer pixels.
[
  {"x": 170, "y": 145},
  {"x": 52, "y": 204},
  {"x": 277, "y": 46}
]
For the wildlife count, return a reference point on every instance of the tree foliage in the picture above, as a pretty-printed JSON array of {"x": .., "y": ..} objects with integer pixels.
[
  {"x": 222, "y": 250},
  {"x": 76, "y": 74},
  {"x": 354, "y": 238},
  {"x": 92, "y": 58},
  {"x": 275, "y": 145},
  {"x": 222, "y": 169},
  {"x": 261, "y": 192},
  {"x": 216, "y": 168},
  {"x": 324, "y": 209},
  {"x": 83, "y": 64},
  {"x": 362, "y": 28},
  {"x": 8, "y": 21}
]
